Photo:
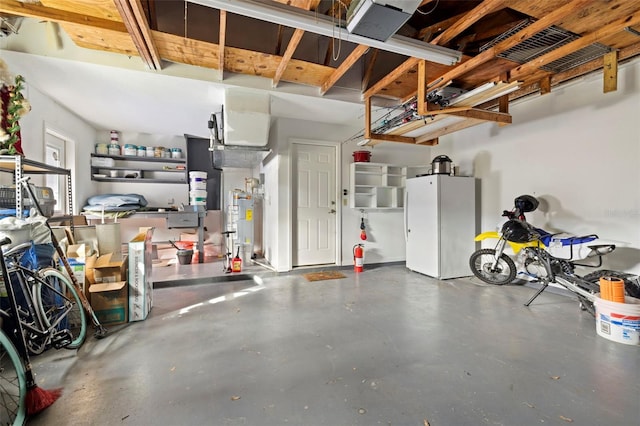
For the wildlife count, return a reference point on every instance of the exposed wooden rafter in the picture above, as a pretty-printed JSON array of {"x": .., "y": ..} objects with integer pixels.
[
  {"x": 515, "y": 39},
  {"x": 222, "y": 41},
  {"x": 344, "y": 67},
  {"x": 584, "y": 41},
  {"x": 125, "y": 27},
  {"x": 33, "y": 10},
  {"x": 291, "y": 47},
  {"x": 480, "y": 11},
  {"x": 133, "y": 17}
]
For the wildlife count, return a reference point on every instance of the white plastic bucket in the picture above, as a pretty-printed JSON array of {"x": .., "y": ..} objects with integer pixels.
[
  {"x": 197, "y": 184},
  {"x": 198, "y": 175},
  {"x": 619, "y": 322},
  {"x": 198, "y": 193}
]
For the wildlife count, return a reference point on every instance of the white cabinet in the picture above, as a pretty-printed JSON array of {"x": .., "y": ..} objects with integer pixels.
[
  {"x": 440, "y": 225},
  {"x": 377, "y": 186}
]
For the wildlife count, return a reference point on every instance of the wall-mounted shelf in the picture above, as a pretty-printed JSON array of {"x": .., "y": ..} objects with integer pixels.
[
  {"x": 377, "y": 186},
  {"x": 134, "y": 169}
]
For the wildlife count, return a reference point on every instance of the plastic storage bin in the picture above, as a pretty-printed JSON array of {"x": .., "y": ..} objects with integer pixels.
[{"x": 44, "y": 195}]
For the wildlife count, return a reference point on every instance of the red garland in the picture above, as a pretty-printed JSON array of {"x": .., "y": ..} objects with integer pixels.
[{"x": 5, "y": 94}]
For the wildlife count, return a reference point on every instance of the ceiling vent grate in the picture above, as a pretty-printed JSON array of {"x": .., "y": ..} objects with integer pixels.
[{"x": 544, "y": 42}]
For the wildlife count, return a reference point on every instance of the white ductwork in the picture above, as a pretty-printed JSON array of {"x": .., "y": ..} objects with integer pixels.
[{"x": 246, "y": 117}]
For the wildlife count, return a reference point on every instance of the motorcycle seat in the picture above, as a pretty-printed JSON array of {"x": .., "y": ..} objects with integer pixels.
[{"x": 546, "y": 238}]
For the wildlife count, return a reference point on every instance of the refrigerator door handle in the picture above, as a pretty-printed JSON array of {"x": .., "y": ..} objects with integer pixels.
[{"x": 406, "y": 216}]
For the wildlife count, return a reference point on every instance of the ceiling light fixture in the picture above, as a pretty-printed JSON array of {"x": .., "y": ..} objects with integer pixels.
[{"x": 319, "y": 24}]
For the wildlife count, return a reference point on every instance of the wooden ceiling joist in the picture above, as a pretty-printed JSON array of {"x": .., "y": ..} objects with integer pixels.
[
  {"x": 33, "y": 10},
  {"x": 288, "y": 54},
  {"x": 138, "y": 28},
  {"x": 522, "y": 35},
  {"x": 222, "y": 40},
  {"x": 470, "y": 18},
  {"x": 584, "y": 41},
  {"x": 344, "y": 67}
]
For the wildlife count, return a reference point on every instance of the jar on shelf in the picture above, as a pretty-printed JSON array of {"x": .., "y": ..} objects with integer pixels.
[
  {"x": 142, "y": 151},
  {"x": 102, "y": 148},
  {"x": 176, "y": 153},
  {"x": 159, "y": 152},
  {"x": 114, "y": 149},
  {"x": 130, "y": 149},
  {"x": 150, "y": 151}
]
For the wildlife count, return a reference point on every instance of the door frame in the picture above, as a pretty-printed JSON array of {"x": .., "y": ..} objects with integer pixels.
[
  {"x": 338, "y": 185},
  {"x": 69, "y": 163}
]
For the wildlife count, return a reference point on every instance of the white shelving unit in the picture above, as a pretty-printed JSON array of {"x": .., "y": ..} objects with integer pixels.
[
  {"x": 130, "y": 168},
  {"x": 377, "y": 186}
]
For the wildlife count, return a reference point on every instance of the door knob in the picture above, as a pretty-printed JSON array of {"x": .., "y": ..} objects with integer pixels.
[{"x": 332, "y": 211}]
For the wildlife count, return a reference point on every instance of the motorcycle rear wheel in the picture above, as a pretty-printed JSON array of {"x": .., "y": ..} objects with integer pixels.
[
  {"x": 630, "y": 288},
  {"x": 481, "y": 264}
]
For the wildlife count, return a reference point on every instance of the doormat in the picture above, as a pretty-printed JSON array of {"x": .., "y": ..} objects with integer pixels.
[{"x": 326, "y": 275}]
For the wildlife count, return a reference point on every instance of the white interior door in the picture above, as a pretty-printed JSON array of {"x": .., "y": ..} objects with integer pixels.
[
  {"x": 55, "y": 155},
  {"x": 314, "y": 204}
]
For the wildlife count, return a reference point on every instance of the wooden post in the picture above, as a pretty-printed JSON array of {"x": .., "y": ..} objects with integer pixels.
[{"x": 611, "y": 72}]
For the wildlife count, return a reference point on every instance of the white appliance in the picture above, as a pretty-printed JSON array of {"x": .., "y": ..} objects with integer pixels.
[
  {"x": 379, "y": 19},
  {"x": 440, "y": 225}
]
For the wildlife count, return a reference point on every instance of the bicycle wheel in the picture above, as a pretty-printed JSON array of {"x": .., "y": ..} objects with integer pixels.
[
  {"x": 13, "y": 384},
  {"x": 58, "y": 302},
  {"x": 481, "y": 264}
]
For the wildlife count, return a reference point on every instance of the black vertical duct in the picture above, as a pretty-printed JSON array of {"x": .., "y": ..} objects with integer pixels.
[{"x": 200, "y": 159}]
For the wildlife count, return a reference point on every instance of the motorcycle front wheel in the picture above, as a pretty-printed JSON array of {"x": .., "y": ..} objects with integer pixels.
[{"x": 481, "y": 264}]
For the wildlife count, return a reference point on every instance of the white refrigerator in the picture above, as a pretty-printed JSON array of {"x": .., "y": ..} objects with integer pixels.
[{"x": 440, "y": 225}]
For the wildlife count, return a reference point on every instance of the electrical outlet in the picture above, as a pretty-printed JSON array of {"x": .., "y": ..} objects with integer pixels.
[
  {"x": 170, "y": 201},
  {"x": 344, "y": 201}
]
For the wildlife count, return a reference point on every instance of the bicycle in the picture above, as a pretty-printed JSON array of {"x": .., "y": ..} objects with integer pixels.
[
  {"x": 13, "y": 384},
  {"x": 46, "y": 304}
]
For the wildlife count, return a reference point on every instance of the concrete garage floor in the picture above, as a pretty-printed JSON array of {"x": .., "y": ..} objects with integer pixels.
[{"x": 384, "y": 347}]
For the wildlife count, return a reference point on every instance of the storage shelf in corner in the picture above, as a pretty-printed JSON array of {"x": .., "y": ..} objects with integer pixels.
[
  {"x": 136, "y": 180},
  {"x": 142, "y": 159}
]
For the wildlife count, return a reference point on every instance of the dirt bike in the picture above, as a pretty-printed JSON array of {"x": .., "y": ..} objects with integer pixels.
[{"x": 545, "y": 257}]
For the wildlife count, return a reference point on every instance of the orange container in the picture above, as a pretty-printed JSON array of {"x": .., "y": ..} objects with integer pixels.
[{"x": 612, "y": 289}]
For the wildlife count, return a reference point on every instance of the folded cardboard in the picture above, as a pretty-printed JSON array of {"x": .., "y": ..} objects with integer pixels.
[
  {"x": 109, "y": 239},
  {"x": 77, "y": 251},
  {"x": 109, "y": 270},
  {"x": 140, "y": 251},
  {"x": 109, "y": 302}
]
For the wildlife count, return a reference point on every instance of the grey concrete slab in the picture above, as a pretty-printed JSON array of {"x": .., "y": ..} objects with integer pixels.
[{"x": 387, "y": 346}]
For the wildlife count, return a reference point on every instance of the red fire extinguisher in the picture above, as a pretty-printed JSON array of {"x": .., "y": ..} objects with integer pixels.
[{"x": 358, "y": 257}]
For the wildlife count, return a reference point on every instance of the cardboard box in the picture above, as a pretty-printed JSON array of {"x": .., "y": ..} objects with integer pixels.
[
  {"x": 77, "y": 251},
  {"x": 140, "y": 251},
  {"x": 109, "y": 302},
  {"x": 108, "y": 288},
  {"x": 76, "y": 256},
  {"x": 78, "y": 267},
  {"x": 108, "y": 270}
]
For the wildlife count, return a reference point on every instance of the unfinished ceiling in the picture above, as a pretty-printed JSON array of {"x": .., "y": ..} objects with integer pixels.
[{"x": 508, "y": 49}]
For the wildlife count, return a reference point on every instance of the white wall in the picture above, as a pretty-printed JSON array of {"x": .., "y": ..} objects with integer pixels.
[
  {"x": 577, "y": 150},
  {"x": 157, "y": 195},
  {"x": 385, "y": 228},
  {"x": 385, "y": 241},
  {"x": 46, "y": 113}
]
